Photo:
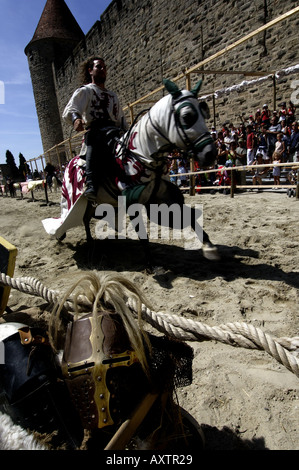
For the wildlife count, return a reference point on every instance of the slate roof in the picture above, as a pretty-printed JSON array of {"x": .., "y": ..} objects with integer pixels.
[{"x": 57, "y": 22}]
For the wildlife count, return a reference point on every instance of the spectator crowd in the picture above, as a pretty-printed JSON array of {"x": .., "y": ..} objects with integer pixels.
[{"x": 265, "y": 137}]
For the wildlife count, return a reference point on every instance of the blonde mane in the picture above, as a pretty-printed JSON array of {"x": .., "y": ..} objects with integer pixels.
[{"x": 96, "y": 292}]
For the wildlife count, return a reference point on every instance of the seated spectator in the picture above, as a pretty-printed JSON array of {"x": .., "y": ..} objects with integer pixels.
[
  {"x": 182, "y": 179},
  {"x": 260, "y": 171},
  {"x": 262, "y": 147},
  {"x": 222, "y": 154},
  {"x": 231, "y": 155}
]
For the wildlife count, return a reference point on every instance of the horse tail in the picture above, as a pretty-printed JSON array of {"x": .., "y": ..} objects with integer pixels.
[{"x": 100, "y": 292}]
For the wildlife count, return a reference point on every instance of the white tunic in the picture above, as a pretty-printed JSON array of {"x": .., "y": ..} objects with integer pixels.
[{"x": 92, "y": 102}]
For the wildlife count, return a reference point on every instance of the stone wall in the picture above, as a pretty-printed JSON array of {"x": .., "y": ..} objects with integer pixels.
[{"x": 143, "y": 41}]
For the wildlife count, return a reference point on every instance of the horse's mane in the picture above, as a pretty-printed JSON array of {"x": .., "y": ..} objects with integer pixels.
[{"x": 93, "y": 293}]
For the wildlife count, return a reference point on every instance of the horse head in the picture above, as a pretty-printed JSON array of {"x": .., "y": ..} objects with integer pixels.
[{"x": 190, "y": 132}]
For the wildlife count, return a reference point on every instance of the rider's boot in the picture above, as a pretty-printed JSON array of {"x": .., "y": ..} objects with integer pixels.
[{"x": 90, "y": 192}]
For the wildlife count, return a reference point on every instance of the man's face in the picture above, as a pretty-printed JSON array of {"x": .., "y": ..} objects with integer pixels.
[{"x": 98, "y": 72}]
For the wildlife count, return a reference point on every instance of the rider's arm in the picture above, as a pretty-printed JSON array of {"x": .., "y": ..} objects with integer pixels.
[{"x": 75, "y": 111}]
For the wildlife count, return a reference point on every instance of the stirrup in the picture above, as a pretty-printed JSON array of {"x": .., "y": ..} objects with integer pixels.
[{"x": 90, "y": 193}]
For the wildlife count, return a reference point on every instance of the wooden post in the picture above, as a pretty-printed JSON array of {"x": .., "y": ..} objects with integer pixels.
[
  {"x": 192, "y": 179},
  {"x": 46, "y": 192},
  {"x": 274, "y": 92},
  {"x": 70, "y": 147},
  {"x": 232, "y": 183},
  {"x": 188, "y": 81},
  {"x": 214, "y": 110},
  {"x": 131, "y": 113}
]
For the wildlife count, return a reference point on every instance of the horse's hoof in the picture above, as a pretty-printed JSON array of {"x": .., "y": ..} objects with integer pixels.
[
  {"x": 158, "y": 270},
  {"x": 155, "y": 270},
  {"x": 60, "y": 239},
  {"x": 210, "y": 252}
]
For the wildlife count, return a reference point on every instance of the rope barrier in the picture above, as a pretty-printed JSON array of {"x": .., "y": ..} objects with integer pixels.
[{"x": 234, "y": 334}]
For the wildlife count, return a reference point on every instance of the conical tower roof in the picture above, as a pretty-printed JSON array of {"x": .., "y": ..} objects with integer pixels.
[{"x": 57, "y": 22}]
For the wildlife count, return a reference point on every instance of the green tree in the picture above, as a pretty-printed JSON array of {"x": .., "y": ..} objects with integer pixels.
[
  {"x": 23, "y": 166},
  {"x": 10, "y": 161}
]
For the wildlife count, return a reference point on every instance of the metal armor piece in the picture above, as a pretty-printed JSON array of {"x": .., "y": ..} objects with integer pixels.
[
  {"x": 102, "y": 372},
  {"x": 31, "y": 392}
]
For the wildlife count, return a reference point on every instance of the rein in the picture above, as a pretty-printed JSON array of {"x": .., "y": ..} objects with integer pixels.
[{"x": 201, "y": 141}]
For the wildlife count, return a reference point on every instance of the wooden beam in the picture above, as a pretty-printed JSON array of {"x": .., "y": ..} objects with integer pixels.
[{"x": 234, "y": 72}]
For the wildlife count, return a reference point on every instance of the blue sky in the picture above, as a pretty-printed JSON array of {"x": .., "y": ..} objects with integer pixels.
[{"x": 19, "y": 129}]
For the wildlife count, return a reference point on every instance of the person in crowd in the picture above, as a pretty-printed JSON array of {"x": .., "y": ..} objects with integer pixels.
[
  {"x": 241, "y": 160},
  {"x": 272, "y": 132},
  {"x": 294, "y": 143},
  {"x": 214, "y": 133},
  {"x": 231, "y": 155},
  {"x": 266, "y": 116},
  {"x": 276, "y": 159},
  {"x": 291, "y": 113},
  {"x": 220, "y": 140},
  {"x": 251, "y": 121},
  {"x": 258, "y": 172},
  {"x": 182, "y": 178},
  {"x": 262, "y": 147},
  {"x": 282, "y": 111},
  {"x": 258, "y": 117},
  {"x": 285, "y": 129},
  {"x": 228, "y": 139},
  {"x": 251, "y": 145},
  {"x": 279, "y": 146},
  {"x": 222, "y": 155}
]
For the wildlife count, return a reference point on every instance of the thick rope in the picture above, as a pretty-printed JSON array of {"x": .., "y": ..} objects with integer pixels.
[{"x": 235, "y": 334}]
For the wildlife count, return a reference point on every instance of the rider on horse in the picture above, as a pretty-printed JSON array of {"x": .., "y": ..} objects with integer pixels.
[{"x": 98, "y": 110}]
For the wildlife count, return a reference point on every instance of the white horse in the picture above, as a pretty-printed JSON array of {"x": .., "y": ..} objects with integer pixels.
[{"x": 140, "y": 169}]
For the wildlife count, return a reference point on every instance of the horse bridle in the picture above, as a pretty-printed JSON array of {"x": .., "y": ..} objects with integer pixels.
[{"x": 191, "y": 146}]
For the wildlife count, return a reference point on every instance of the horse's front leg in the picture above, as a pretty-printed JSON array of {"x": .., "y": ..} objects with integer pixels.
[
  {"x": 89, "y": 213},
  {"x": 209, "y": 250},
  {"x": 144, "y": 240}
]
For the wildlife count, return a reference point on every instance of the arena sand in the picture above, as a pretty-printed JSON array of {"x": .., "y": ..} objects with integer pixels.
[{"x": 243, "y": 398}]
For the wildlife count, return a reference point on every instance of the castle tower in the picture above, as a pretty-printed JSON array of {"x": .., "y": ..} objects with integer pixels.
[{"x": 55, "y": 37}]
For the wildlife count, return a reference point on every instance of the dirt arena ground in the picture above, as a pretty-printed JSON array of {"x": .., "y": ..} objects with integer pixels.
[{"x": 243, "y": 398}]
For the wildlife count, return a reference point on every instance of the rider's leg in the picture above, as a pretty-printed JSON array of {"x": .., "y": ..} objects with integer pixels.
[
  {"x": 90, "y": 191},
  {"x": 92, "y": 140}
]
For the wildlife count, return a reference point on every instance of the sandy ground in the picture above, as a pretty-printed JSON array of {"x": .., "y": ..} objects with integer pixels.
[{"x": 243, "y": 398}]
